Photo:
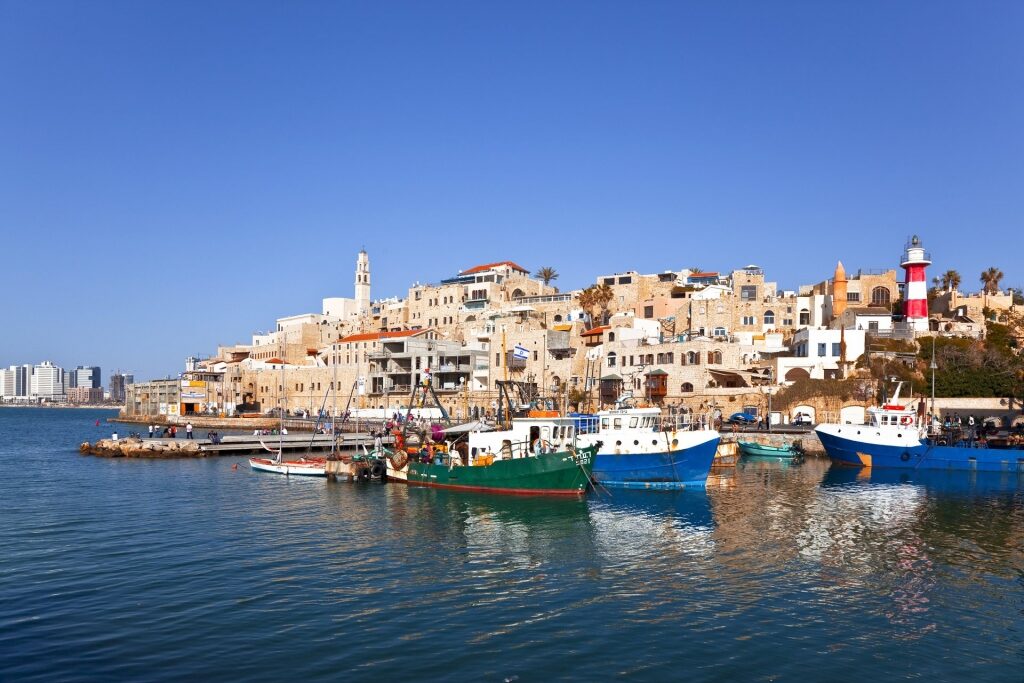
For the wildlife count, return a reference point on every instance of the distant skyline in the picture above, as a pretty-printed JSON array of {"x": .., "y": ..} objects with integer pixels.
[{"x": 219, "y": 165}]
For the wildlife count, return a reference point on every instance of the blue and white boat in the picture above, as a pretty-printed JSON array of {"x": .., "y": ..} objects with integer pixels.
[
  {"x": 639, "y": 451},
  {"x": 895, "y": 437}
]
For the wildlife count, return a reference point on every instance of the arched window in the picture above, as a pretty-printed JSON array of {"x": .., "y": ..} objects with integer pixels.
[
  {"x": 719, "y": 332},
  {"x": 805, "y": 316},
  {"x": 670, "y": 358},
  {"x": 880, "y": 296},
  {"x": 612, "y": 358},
  {"x": 611, "y": 336},
  {"x": 558, "y": 318},
  {"x": 769, "y": 318},
  {"x": 518, "y": 293},
  {"x": 693, "y": 358},
  {"x": 687, "y": 388},
  {"x": 717, "y": 355}
]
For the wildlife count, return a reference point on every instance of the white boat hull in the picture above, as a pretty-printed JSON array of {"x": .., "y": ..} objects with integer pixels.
[{"x": 304, "y": 468}]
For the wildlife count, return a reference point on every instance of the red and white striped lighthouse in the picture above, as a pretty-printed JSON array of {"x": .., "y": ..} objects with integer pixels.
[{"x": 915, "y": 288}]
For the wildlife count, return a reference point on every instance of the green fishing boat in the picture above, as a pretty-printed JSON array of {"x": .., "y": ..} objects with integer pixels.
[
  {"x": 562, "y": 472},
  {"x": 751, "y": 449}
]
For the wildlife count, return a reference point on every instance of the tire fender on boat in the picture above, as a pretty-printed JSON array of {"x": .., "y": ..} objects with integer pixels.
[{"x": 905, "y": 456}]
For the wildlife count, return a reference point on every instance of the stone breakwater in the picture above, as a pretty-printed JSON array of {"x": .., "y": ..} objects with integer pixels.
[{"x": 137, "y": 448}]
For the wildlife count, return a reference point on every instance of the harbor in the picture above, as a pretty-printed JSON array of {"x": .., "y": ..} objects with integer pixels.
[{"x": 795, "y": 549}]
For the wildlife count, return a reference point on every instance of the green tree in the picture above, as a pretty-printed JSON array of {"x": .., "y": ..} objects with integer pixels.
[
  {"x": 990, "y": 280},
  {"x": 951, "y": 280},
  {"x": 546, "y": 275}
]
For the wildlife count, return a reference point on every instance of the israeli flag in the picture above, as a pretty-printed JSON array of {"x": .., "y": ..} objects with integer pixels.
[{"x": 520, "y": 352}]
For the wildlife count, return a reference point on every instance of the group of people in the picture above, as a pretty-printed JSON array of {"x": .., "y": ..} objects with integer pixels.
[{"x": 170, "y": 431}]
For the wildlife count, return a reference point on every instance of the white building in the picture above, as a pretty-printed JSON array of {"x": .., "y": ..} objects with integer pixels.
[
  {"x": 47, "y": 382},
  {"x": 7, "y": 384},
  {"x": 343, "y": 308},
  {"x": 817, "y": 353}
]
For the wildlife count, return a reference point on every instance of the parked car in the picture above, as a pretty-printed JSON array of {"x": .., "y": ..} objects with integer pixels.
[
  {"x": 742, "y": 419},
  {"x": 802, "y": 420}
]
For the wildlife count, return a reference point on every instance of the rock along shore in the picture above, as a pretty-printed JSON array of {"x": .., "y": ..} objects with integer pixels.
[{"x": 137, "y": 448}]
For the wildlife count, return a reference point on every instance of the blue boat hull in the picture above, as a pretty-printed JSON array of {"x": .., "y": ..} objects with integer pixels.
[
  {"x": 918, "y": 455},
  {"x": 665, "y": 470}
]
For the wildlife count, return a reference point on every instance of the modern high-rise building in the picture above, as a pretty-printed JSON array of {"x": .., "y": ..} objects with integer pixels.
[
  {"x": 87, "y": 376},
  {"x": 47, "y": 381},
  {"x": 22, "y": 380},
  {"x": 118, "y": 382},
  {"x": 7, "y": 384}
]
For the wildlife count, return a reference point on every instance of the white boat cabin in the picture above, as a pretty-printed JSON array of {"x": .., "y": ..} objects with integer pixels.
[{"x": 527, "y": 436}]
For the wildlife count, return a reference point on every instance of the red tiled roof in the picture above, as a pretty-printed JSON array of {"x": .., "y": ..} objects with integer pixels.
[
  {"x": 488, "y": 266},
  {"x": 275, "y": 361},
  {"x": 703, "y": 274},
  {"x": 595, "y": 331},
  {"x": 373, "y": 336}
]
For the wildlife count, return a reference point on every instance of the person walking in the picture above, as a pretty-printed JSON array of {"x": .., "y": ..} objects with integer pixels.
[
  {"x": 188, "y": 429},
  {"x": 151, "y": 431}
]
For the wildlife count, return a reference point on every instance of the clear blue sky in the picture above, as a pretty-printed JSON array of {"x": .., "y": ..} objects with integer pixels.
[{"x": 176, "y": 175}]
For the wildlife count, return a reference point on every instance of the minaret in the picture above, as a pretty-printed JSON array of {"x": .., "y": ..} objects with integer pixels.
[
  {"x": 915, "y": 288},
  {"x": 363, "y": 282},
  {"x": 839, "y": 291}
]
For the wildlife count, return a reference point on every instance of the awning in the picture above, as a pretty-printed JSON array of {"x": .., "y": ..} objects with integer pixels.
[
  {"x": 467, "y": 427},
  {"x": 656, "y": 371},
  {"x": 611, "y": 378}
]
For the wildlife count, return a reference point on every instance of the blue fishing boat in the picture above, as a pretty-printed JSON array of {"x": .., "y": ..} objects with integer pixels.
[
  {"x": 895, "y": 437},
  {"x": 639, "y": 451}
]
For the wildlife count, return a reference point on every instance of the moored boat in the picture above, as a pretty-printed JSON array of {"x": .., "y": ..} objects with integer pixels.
[
  {"x": 757, "y": 450},
  {"x": 640, "y": 451},
  {"x": 895, "y": 437},
  {"x": 309, "y": 467},
  {"x": 535, "y": 455}
]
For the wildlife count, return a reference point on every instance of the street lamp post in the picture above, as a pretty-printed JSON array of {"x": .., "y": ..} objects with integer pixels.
[{"x": 934, "y": 366}]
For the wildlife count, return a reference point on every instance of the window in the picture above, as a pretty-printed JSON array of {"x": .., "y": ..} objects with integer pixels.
[
  {"x": 611, "y": 336},
  {"x": 611, "y": 359},
  {"x": 632, "y": 423},
  {"x": 822, "y": 348},
  {"x": 609, "y": 281},
  {"x": 787, "y": 322},
  {"x": 805, "y": 316},
  {"x": 693, "y": 358},
  {"x": 748, "y": 292},
  {"x": 835, "y": 349},
  {"x": 880, "y": 296},
  {"x": 686, "y": 388},
  {"x": 769, "y": 318},
  {"x": 648, "y": 311},
  {"x": 853, "y": 297},
  {"x": 748, "y": 320},
  {"x": 873, "y": 325},
  {"x": 719, "y": 332},
  {"x": 625, "y": 280},
  {"x": 535, "y": 355}
]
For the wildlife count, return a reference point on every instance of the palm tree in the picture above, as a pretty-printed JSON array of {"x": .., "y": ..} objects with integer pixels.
[
  {"x": 586, "y": 301},
  {"x": 950, "y": 280},
  {"x": 990, "y": 279},
  {"x": 603, "y": 295},
  {"x": 546, "y": 274}
]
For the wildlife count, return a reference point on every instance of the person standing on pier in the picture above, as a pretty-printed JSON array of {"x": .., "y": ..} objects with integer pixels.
[
  {"x": 188, "y": 429},
  {"x": 151, "y": 431}
]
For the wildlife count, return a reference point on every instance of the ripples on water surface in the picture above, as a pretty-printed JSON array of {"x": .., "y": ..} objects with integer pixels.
[{"x": 162, "y": 570}]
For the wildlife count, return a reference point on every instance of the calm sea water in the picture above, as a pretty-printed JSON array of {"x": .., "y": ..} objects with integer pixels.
[{"x": 167, "y": 570}]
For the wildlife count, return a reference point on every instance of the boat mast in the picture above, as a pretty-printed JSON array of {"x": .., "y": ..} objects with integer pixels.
[
  {"x": 280, "y": 429},
  {"x": 334, "y": 392}
]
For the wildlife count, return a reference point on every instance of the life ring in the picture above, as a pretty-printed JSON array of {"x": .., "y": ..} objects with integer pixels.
[
  {"x": 399, "y": 459},
  {"x": 905, "y": 456},
  {"x": 906, "y": 420}
]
